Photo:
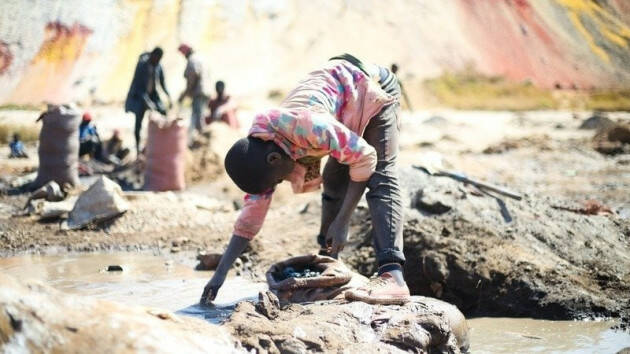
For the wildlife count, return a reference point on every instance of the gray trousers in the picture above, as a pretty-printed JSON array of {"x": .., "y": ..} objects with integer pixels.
[
  {"x": 198, "y": 102},
  {"x": 384, "y": 195}
]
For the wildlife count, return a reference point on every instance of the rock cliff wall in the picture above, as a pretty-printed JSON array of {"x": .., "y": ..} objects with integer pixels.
[{"x": 59, "y": 50}]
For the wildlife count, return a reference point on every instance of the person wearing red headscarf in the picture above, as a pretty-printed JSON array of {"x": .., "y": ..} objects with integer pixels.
[
  {"x": 89, "y": 140},
  {"x": 194, "y": 86}
]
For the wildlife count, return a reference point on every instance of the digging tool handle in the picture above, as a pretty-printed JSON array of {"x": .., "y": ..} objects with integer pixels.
[{"x": 479, "y": 184}]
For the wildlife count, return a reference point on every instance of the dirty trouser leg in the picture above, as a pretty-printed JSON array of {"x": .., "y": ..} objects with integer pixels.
[
  {"x": 384, "y": 195},
  {"x": 197, "y": 110},
  {"x": 138, "y": 127},
  {"x": 335, "y": 179}
]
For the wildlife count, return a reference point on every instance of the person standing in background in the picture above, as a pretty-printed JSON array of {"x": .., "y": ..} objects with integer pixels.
[
  {"x": 194, "y": 86},
  {"x": 143, "y": 93}
]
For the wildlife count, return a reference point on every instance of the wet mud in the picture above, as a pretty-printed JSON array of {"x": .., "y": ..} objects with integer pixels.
[{"x": 495, "y": 256}]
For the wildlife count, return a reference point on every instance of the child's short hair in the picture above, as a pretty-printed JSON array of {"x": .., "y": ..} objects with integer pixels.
[{"x": 246, "y": 164}]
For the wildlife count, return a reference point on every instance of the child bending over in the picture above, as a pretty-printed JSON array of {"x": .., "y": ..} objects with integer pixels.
[{"x": 347, "y": 110}]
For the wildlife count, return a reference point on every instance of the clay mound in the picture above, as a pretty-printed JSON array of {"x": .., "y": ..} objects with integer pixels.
[
  {"x": 38, "y": 319},
  {"x": 597, "y": 122},
  {"x": 539, "y": 257},
  {"x": 422, "y": 325}
]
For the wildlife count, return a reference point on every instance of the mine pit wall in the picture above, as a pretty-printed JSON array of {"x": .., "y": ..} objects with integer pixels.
[{"x": 54, "y": 50}]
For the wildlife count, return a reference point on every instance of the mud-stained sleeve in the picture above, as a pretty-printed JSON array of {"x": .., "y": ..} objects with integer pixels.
[
  {"x": 252, "y": 216},
  {"x": 343, "y": 145}
]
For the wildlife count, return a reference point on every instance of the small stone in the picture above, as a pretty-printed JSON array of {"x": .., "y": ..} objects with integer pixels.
[
  {"x": 114, "y": 268},
  {"x": 175, "y": 249},
  {"x": 292, "y": 346},
  {"x": 208, "y": 261},
  {"x": 268, "y": 305},
  {"x": 429, "y": 201},
  {"x": 180, "y": 241}
]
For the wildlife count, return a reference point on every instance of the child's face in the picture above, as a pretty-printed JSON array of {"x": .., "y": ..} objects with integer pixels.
[
  {"x": 281, "y": 165},
  {"x": 257, "y": 166}
]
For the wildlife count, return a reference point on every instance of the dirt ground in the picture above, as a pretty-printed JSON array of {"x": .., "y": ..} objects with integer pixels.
[{"x": 542, "y": 155}]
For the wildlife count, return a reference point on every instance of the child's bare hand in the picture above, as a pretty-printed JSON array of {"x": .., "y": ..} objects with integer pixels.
[
  {"x": 337, "y": 236},
  {"x": 211, "y": 289}
]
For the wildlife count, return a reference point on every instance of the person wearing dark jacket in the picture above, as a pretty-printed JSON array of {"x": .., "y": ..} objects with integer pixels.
[{"x": 143, "y": 93}]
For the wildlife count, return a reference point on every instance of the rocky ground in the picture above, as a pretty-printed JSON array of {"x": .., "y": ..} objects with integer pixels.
[{"x": 561, "y": 252}]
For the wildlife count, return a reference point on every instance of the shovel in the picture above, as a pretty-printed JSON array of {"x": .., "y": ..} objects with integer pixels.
[{"x": 433, "y": 167}]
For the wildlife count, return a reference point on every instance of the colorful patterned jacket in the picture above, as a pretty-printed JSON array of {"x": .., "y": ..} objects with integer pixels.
[{"x": 326, "y": 114}]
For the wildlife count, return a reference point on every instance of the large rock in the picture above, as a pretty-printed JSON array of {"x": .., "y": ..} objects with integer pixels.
[
  {"x": 103, "y": 200},
  {"x": 422, "y": 325},
  {"x": 37, "y": 319},
  {"x": 597, "y": 121},
  {"x": 538, "y": 257}
]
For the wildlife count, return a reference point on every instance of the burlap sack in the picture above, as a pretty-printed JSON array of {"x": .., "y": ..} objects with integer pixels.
[
  {"x": 58, "y": 146},
  {"x": 335, "y": 278},
  {"x": 166, "y": 155}
]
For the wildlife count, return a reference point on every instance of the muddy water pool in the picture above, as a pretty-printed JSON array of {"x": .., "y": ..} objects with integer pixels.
[
  {"x": 524, "y": 335},
  {"x": 146, "y": 280},
  {"x": 156, "y": 281}
]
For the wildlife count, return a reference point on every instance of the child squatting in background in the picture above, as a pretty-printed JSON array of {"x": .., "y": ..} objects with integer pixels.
[
  {"x": 347, "y": 110},
  {"x": 17, "y": 150}
]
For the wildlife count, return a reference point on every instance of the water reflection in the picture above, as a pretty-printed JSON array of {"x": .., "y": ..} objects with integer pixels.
[{"x": 524, "y": 335}]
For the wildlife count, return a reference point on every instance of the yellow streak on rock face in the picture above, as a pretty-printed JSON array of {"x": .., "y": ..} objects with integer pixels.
[
  {"x": 213, "y": 31},
  {"x": 610, "y": 27},
  {"x": 615, "y": 38},
  {"x": 127, "y": 51},
  {"x": 152, "y": 26},
  {"x": 46, "y": 77},
  {"x": 575, "y": 19}
]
